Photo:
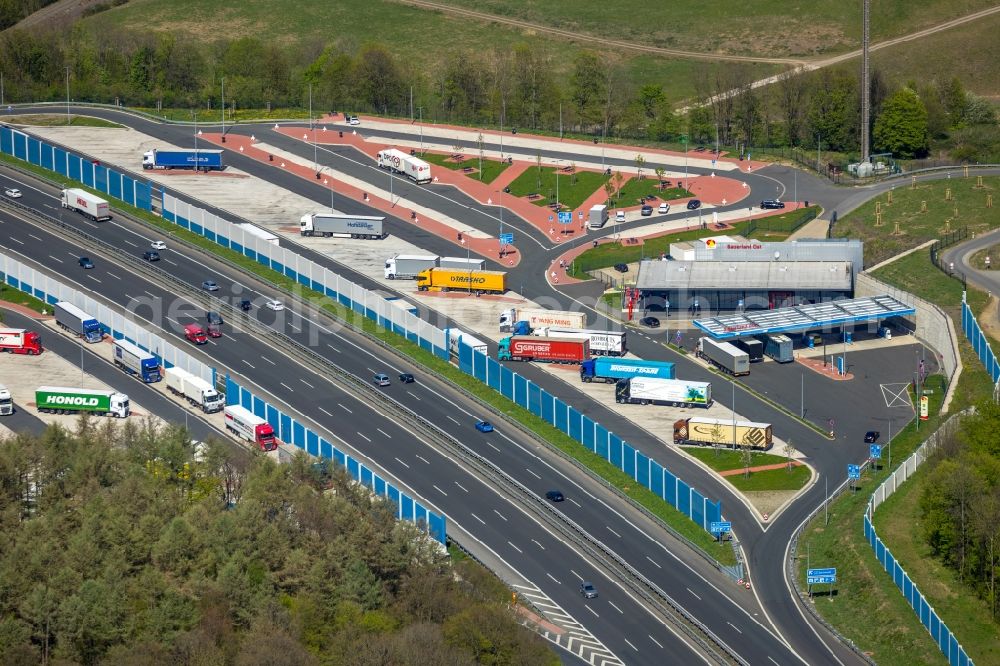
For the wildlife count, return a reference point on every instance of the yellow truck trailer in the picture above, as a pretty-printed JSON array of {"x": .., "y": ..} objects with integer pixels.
[
  {"x": 723, "y": 432},
  {"x": 451, "y": 279}
]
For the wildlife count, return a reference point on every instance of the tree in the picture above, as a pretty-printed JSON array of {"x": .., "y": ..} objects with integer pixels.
[
  {"x": 901, "y": 129},
  {"x": 609, "y": 190},
  {"x": 833, "y": 110},
  {"x": 588, "y": 86},
  {"x": 954, "y": 100},
  {"x": 791, "y": 101},
  {"x": 660, "y": 171},
  {"x": 717, "y": 437},
  {"x": 377, "y": 77},
  {"x": 640, "y": 161},
  {"x": 746, "y": 457}
]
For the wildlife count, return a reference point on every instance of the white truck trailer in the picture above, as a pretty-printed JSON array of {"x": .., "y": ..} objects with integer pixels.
[
  {"x": 342, "y": 226},
  {"x": 456, "y": 335},
  {"x": 6, "y": 401},
  {"x": 408, "y": 266},
  {"x": 257, "y": 232},
  {"x": 85, "y": 203},
  {"x": 655, "y": 391},
  {"x": 136, "y": 361},
  {"x": 540, "y": 318},
  {"x": 602, "y": 343},
  {"x": 411, "y": 166},
  {"x": 194, "y": 389},
  {"x": 724, "y": 356},
  {"x": 598, "y": 216},
  {"x": 249, "y": 427}
]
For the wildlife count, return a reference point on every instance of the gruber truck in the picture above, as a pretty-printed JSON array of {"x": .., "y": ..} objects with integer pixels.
[
  {"x": 6, "y": 401},
  {"x": 87, "y": 204},
  {"x": 136, "y": 361},
  {"x": 247, "y": 426},
  {"x": 554, "y": 350},
  {"x": 342, "y": 226},
  {"x": 409, "y": 266},
  {"x": 610, "y": 370},
  {"x": 60, "y": 400},
  {"x": 73, "y": 319},
  {"x": 721, "y": 432},
  {"x": 539, "y": 318},
  {"x": 195, "y": 390},
  {"x": 20, "y": 341},
  {"x": 446, "y": 279},
  {"x": 200, "y": 160},
  {"x": 724, "y": 356},
  {"x": 673, "y": 392},
  {"x": 412, "y": 167},
  {"x": 752, "y": 346},
  {"x": 778, "y": 347},
  {"x": 602, "y": 343}
]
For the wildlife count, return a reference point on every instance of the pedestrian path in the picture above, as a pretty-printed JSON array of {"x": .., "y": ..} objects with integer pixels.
[{"x": 760, "y": 468}]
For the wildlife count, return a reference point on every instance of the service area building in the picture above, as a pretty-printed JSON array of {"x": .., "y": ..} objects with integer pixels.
[{"x": 731, "y": 273}]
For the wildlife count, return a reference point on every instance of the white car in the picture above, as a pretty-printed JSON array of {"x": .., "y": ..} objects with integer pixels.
[
  {"x": 620, "y": 216},
  {"x": 158, "y": 245},
  {"x": 353, "y": 120},
  {"x": 274, "y": 305},
  {"x": 664, "y": 207},
  {"x": 12, "y": 192}
]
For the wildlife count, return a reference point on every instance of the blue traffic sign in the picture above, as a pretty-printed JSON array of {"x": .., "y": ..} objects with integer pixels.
[
  {"x": 853, "y": 471},
  {"x": 816, "y": 576},
  {"x": 506, "y": 239},
  {"x": 566, "y": 217},
  {"x": 722, "y": 526},
  {"x": 875, "y": 451}
]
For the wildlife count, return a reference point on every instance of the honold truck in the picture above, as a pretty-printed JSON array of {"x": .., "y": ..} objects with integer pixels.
[
  {"x": 723, "y": 432},
  {"x": 539, "y": 318},
  {"x": 610, "y": 370},
  {"x": 412, "y": 167},
  {"x": 85, "y": 203},
  {"x": 201, "y": 160},
  {"x": 61, "y": 400},
  {"x": 75, "y": 320},
  {"x": 446, "y": 279},
  {"x": 752, "y": 346},
  {"x": 602, "y": 343},
  {"x": 724, "y": 356},
  {"x": 456, "y": 335},
  {"x": 6, "y": 401},
  {"x": 673, "y": 392},
  {"x": 247, "y": 426},
  {"x": 553, "y": 350},
  {"x": 342, "y": 226},
  {"x": 409, "y": 266},
  {"x": 20, "y": 341},
  {"x": 194, "y": 389},
  {"x": 778, "y": 347},
  {"x": 136, "y": 361}
]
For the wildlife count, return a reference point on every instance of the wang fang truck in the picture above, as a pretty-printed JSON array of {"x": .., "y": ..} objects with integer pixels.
[
  {"x": 20, "y": 341},
  {"x": 195, "y": 390},
  {"x": 85, "y": 203},
  {"x": 75, "y": 320},
  {"x": 136, "y": 361},
  {"x": 672, "y": 392},
  {"x": 249, "y": 427},
  {"x": 539, "y": 318},
  {"x": 61, "y": 400}
]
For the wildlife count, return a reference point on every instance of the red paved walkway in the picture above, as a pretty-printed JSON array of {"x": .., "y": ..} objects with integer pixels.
[
  {"x": 828, "y": 370},
  {"x": 759, "y": 468}
]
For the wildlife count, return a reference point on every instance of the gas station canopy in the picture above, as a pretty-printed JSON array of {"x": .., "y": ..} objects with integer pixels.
[{"x": 804, "y": 317}]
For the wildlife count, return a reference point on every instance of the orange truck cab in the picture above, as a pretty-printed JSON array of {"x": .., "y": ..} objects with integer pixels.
[{"x": 196, "y": 334}]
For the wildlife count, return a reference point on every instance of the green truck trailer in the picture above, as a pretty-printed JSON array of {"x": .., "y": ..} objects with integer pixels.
[{"x": 62, "y": 400}]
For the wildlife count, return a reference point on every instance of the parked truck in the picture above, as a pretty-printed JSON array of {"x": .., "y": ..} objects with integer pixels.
[
  {"x": 778, "y": 347},
  {"x": 406, "y": 306},
  {"x": 6, "y": 401},
  {"x": 62, "y": 400},
  {"x": 602, "y": 343},
  {"x": 20, "y": 341},
  {"x": 610, "y": 370},
  {"x": 257, "y": 232},
  {"x": 194, "y": 389},
  {"x": 446, "y": 279},
  {"x": 85, "y": 203},
  {"x": 462, "y": 263},
  {"x": 200, "y": 160},
  {"x": 553, "y": 350},
  {"x": 598, "y": 216},
  {"x": 342, "y": 226},
  {"x": 75, "y": 320},
  {"x": 409, "y": 266},
  {"x": 411, "y": 166},
  {"x": 752, "y": 346},
  {"x": 456, "y": 335},
  {"x": 136, "y": 361},
  {"x": 723, "y": 432},
  {"x": 540, "y": 317},
  {"x": 673, "y": 392},
  {"x": 724, "y": 356},
  {"x": 249, "y": 427}
]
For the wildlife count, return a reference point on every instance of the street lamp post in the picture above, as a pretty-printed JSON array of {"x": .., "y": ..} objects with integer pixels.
[
  {"x": 420, "y": 110},
  {"x": 686, "y": 184},
  {"x": 222, "y": 106},
  {"x": 67, "y": 95}
]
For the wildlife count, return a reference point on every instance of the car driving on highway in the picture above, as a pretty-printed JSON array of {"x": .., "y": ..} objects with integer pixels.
[
  {"x": 484, "y": 426},
  {"x": 12, "y": 192}
]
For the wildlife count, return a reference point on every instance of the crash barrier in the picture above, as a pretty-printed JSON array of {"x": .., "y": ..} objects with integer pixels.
[
  {"x": 291, "y": 431},
  {"x": 598, "y": 439},
  {"x": 48, "y": 289},
  {"x": 939, "y": 631},
  {"x": 980, "y": 343},
  {"x": 89, "y": 172}
]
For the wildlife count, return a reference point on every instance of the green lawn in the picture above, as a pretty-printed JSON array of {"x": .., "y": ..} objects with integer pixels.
[
  {"x": 772, "y": 479},
  {"x": 214, "y": 117},
  {"x": 722, "y": 459},
  {"x": 12, "y": 295},
  {"x": 56, "y": 119},
  {"x": 634, "y": 188},
  {"x": 574, "y": 189},
  {"x": 491, "y": 168}
]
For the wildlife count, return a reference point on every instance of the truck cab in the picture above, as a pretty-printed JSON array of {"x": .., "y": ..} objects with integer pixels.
[
  {"x": 195, "y": 334},
  {"x": 6, "y": 401}
]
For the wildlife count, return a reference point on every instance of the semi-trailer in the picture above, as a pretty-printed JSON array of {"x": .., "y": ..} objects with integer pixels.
[
  {"x": 20, "y": 341},
  {"x": 409, "y": 266},
  {"x": 249, "y": 427},
  {"x": 342, "y": 226},
  {"x": 75, "y": 320},
  {"x": 602, "y": 343},
  {"x": 723, "y": 432},
  {"x": 447, "y": 279},
  {"x": 673, "y": 392},
  {"x": 406, "y": 306},
  {"x": 200, "y": 160},
  {"x": 610, "y": 370},
  {"x": 553, "y": 350},
  {"x": 63, "y": 400},
  {"x": 598, "y": 216},
  {"x": 85, "y": 203},
  {"x": 456, "y": 335},
  {"x": 724, "y": 356},
  {"x": 752, "y": 346},
  {"x": 6, "y": 401},
  {"x": 540, "y": 317},
  {"x": 778, "y": 347},
  {"x": 462, "y": 263},
  {"x": 411, "y": 166},
  {"x": 262, "y": 234},
  {"x": 194, "y": 389},
  {"x": 136, "y": 361}
]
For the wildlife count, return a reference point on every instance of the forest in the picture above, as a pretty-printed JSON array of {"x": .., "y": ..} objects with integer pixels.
[
  {"x": 517, "y": 87},
  {"x": 126, "y": 545}
]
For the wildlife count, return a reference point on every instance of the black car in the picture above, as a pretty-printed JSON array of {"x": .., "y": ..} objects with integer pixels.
[
  {"x": 646, "y": 211},
  {"x": 554, "y": 496},
  {"x": 651, "y": 322},
  {"x": 872, "y": 436},
  {"x": 85, "y": 262},
  {"x": 151, "y": 255},
  {"x": 621, "y": 268},
  {"x": 213, "y": 318},
  {"x": 406, "y": 377},
  {"x": 694, "y": 204},
  {"x": 772, "y": 203},
  {"x": 245, "y": 305}
]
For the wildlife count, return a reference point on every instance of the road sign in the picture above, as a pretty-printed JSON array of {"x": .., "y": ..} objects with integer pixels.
[
  {"x": 718, "y": 527},
  {"x": 506, "y": 239},
  {"x": 816, "y": 576},
  {"x": 924, "y": 404},
  {"x": 875, "y": 450},
  {"x": 565, "y": 217},
  {"x": 853, "y": 471},
  {"x": 580, "y": 215}
]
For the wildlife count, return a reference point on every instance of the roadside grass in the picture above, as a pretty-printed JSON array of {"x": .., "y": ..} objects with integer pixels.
[
  {"x": 491, "y": 168},
  {"x": 574, "y": 189},
  {"x": 723, "y": 459},
  {"x": 916, "y": 227},
  {"x": 635, "y": 188},
  {"x": 978, "y": 258},
  {"x": 771, "y": 479},
  {"x": 12, "y": 295},
  {"x": 214, "y": 116},
  {"x": 56, "y": 120}
]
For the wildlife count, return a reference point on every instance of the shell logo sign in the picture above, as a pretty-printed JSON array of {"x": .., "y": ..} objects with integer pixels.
[{"x": 710, "y": 244}]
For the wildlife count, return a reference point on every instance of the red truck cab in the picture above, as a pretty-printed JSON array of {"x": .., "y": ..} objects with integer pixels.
[
  {"x": 20, "y": 341},
  {"x": 195, "y": 334}
]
